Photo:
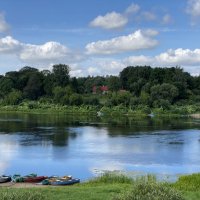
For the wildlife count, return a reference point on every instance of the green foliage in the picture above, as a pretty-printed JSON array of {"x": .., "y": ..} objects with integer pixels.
[
  {"x": 162, "y": 89},
  {"x": 13, "y": 98},
  {"x": 111, "y": 178},
  {"x": 62, "y": 95},
  {"x": 60, "y": 75},
  {"x": 91, "y": 100},
  {"x": 114, "y": 83},
  {"x": 150, "y": 191},
  {"x": 75, "y": 99},
  {"x": 7, "y": 194},
  {"x": 34, "y": 89},
  {"x": 6, "y": 86},
  {"x": 165, "y": 91},
  {"x": 188, "y": 182}
]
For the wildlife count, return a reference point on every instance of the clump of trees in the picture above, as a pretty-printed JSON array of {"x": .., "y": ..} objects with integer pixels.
[{"x": 135, "y": 86}]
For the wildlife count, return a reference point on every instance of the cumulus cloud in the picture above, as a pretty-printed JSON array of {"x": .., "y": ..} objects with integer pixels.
[
  {"x": 114, "y": 20},
  {"x": 47, "y": 53},
  {"x": 4, "y": 27},
  {"x": 9, "y": 45},
  {"x": 186, "y": 58},
  {"x": 132, "y": 9},
  {"x": 135, "y": 41},
  {"x": 193, "y": 9},
  {"x": 183, "y": 57},
  {"x": 111, "y": 20}
]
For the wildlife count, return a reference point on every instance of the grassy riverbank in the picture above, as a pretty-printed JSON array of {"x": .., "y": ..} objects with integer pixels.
[
  {"x": 112, "y": 187},
  {"x": 42, "y": 108}
]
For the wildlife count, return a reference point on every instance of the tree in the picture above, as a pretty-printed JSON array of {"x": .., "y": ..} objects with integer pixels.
[
  {"x": 6, "y": 86},
  {"x": 114, "y": 83},
  {"x": 165, "y": 91},
  {"x": 13, "y": 98},
  {"x": 34, "y": 87},
  {"x": 61, "y": 75},
  {"x": 61, "y": 95}
]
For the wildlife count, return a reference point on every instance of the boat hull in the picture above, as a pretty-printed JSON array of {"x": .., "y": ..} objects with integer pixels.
[
  {"x": 5, "y": 179},
  {"x": 36, "y": 179},
  {"x": 67, "y": 182}
]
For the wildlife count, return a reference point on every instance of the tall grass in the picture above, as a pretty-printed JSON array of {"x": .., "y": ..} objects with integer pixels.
[
  {"x": 111, "y": 178},
  {"x": 18, "y": 194},
  {"x": 188, "y": 183},
  {"x": 150, "y": 191}
]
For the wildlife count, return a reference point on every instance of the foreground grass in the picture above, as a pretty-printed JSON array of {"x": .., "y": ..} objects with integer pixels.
[{"x": 113, "y": 187}]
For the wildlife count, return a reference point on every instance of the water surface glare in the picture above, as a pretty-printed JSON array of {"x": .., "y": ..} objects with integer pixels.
[{"x": 86, "y": 146}]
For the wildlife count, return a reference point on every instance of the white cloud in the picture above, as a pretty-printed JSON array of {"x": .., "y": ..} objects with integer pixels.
[
  {"x": 132, "y": 9},
  {"x": 193, "y": 9},
  {"x": 148, "y": 16},
  {"x": 9, "y": 45},
  {"x": 138, "y": 60},
  {"x": 49, "y": 53},
  {"x": 166, "y": 19},
  {"x": 114, "y": 20},
  {"x": 186, "y": 58},
  {"x": 111, "y": 20},
  {"x": 180, "y": 57},
  {"x": 135, "y": 41},
  {"x": 4, "y": 27},
  {"x": 183, "y": 57}
]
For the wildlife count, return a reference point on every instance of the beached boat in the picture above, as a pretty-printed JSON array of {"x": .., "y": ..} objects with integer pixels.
[
  {"x": 5, "y": 179},
  {"x": 31, "y": 178},
  {"x": 36, "y": 179},
  {"x": 62, "y": 182}
]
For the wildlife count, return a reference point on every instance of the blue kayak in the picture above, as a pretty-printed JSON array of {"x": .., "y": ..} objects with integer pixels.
[{"x": 65, "y": 182}]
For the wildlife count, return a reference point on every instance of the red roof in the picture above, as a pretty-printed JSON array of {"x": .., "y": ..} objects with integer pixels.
[{"x": 104, "y": 88}]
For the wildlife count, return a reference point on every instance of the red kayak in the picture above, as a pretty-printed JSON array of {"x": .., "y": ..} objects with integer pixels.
[{"x": 36, "y": 179}]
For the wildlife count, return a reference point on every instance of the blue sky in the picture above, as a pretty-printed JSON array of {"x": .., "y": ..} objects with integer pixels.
[{"x": 99, "y": 37}]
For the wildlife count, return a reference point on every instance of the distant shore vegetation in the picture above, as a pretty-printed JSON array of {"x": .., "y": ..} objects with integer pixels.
[{"x": 139, "y": 89}]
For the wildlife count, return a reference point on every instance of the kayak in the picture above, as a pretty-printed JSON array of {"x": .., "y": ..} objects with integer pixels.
[
  {"x": 5, "y": 179},
  {"x": 61, "y": 182}
]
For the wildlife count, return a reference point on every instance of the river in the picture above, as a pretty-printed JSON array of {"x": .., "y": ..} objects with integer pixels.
[{"x": 85, "y": 146}]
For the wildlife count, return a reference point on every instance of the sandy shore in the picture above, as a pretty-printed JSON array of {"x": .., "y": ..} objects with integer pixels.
[{"x": 22, "y": 185}]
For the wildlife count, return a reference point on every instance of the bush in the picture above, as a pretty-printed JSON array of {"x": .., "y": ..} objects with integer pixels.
[
  {"x": 150, "y": 191},
  {"x": 20, "y": 195},
  {"x": 13, "y": 98},
  {"x": 75, "y": 99}
]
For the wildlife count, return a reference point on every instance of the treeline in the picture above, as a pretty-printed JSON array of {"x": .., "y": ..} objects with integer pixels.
[{"x": 135, "y": 86}]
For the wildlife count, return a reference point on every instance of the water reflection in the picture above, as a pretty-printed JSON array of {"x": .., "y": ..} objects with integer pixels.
[{"x": 84, "y": 146}]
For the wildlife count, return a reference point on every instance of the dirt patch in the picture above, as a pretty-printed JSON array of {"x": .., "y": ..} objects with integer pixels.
[{"x": 22, "y": 185}]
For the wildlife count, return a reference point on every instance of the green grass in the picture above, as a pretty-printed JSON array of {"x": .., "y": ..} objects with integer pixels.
[
  {"x": 188, "y": 183},
  {"x": 113, "y": 187}
]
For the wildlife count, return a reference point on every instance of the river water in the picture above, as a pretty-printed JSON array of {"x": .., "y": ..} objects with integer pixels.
[{"x": 85, "y": 146}]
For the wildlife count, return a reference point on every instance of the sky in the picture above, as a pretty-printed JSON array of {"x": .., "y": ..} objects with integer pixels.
[{"x": 99, "y": 37}]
